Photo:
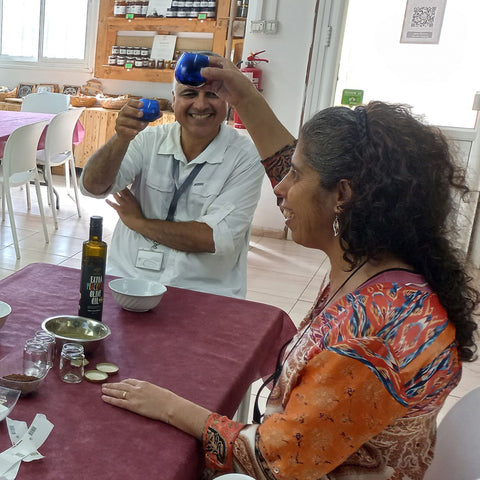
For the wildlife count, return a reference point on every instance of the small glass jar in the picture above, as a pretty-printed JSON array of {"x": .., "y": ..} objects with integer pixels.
[
  {"x": 35, "y": 358},
  {"x": 152, "y": 63},
  {"x": 182, "y": 12},
  {"x": 171, "y": 12},
  {"x": 129, "y": 62},
  {"x": 122, "y": 50},
  {"x": 130, "y": 51},
  {"x": 115, "y": 50},
  {"x": 138, "y": 62},
  {"x": 144, "y": 8},
  {"x": 112, "y": 59},
  {"x": 130, "y": 9},
  {"x": 48, "y": 339},
  {"x": 161, "y": 63},
  {"x": 119, "y": 8},
  {"x": 137, "y": 51},
  {"x": 71, "y": 363},
  {"x": 121, "y": 60},
  {"x": 145, "y": 52},
  {"x": 137, "y": 8}
]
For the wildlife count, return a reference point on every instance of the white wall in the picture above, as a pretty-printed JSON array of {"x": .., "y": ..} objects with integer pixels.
[{"x": 283, "y": 78}]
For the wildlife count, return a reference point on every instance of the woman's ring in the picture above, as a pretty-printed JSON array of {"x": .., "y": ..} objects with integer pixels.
[{"x": 124, "y": 395}]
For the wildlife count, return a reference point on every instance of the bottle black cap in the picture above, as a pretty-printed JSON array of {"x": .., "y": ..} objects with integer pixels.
[{"x": 96, "y": 227}]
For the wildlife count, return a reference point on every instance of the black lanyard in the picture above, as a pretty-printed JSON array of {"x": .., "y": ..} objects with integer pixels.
[{"x": 178, "y": 191}]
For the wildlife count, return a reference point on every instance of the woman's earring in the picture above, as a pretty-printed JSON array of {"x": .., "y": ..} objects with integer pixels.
[{"x": 336, "y": 226}]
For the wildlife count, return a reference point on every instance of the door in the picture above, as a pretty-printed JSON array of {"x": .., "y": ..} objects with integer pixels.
[{"x": 358, "y": 46}]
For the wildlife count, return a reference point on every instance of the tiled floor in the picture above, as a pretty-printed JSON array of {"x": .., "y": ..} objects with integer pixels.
[{"x": 280, "y": 272}]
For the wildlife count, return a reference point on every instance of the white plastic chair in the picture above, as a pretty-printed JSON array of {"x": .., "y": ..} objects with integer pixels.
[
  {"x": 457, "y": 452},
  {"x": 19, "y": 167},
  {"x": 59, "y": 151},
  {"x": 45, "y": 102}
]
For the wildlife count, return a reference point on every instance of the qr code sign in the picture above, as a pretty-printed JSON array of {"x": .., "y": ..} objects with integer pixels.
[{"x": 423, "y": 17}]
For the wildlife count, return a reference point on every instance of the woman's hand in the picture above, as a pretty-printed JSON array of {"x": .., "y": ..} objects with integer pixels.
[
  {"x": 227, "y": 81},
  {"x": 157, "y": 403},
  {"x": 140, "y": 397}
]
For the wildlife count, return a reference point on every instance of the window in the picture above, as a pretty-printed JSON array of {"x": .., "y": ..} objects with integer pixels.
[{"x": 49, "y": 33}]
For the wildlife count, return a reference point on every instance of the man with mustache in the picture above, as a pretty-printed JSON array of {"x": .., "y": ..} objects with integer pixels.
[{"x": 185, "y": 193}]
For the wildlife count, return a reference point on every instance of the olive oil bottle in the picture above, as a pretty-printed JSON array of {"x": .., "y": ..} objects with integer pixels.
[{"x": 94, "y": 255}]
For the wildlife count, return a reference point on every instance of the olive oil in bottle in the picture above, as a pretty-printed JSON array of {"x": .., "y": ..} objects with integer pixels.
[{"x": 94, "y": 255}]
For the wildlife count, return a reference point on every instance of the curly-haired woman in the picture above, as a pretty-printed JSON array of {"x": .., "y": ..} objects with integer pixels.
[{"x": 357, "y": 390}]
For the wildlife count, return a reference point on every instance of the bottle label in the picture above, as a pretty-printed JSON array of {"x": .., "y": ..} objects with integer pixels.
[{"x": 91, "y": 290}]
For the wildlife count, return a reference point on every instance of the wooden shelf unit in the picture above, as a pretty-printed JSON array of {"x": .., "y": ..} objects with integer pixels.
[{"x": 108, "y": 26}]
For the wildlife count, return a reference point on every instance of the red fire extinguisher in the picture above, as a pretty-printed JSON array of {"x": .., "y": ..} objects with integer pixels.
[{"x": 255, "y": 75}]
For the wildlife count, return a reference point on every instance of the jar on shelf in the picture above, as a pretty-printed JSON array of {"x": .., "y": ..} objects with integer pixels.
[
  {"x": 122, "y": 50},
  {"x": 138, "y": 62},
  {"x": 212, "y": 4},
  {"x": 112, "y": 59},
  {"x": 136, "y": 51},
  {"x": 129, "y": 62},
  {"x": 144, "y": 52},
  {"x": 145, "y": 62},
  {"x": 171, "y": 13},
  {"x": 182, "y": 12},
  {"x": 137, "y": 8},
  {"x": 152, "y": 63},
  {"x": 142, "y": 12},
  {"x": 120, "y": 60},
  {"x": 119, "y": 8},
  {"x": 115, "y": 50},
  {"x": 144, "y": 8},
  {"x": 161, "y": 63},
  {"x": 130, "y": 51},
  {"x": 129, "y": 9},
  {"x": 242, "y": 8}
]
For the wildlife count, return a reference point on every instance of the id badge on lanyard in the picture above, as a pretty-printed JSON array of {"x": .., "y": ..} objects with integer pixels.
[{"x": 152, "y": 258}]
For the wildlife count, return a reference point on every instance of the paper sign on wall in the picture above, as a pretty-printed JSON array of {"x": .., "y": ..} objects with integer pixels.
[
  {"x": 158, "y": 8},
  {"x": 423, "y": 21},
  {"x": 163, "y": 47}
]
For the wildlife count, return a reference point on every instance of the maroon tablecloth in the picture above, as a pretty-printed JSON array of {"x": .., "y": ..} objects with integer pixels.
[
  {"x": 11, "y": 120},
  {"x": 205, "y": 347}
]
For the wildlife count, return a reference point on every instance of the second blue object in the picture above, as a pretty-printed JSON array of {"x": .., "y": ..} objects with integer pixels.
[
  {"x": 150, "y": 109},
  {"x": 187, "y": 70}
]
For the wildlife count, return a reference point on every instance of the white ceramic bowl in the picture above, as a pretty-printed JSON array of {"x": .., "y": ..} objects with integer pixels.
[
  {"x": 5, "y": 310},
  {"x": 137, "y": 294}
]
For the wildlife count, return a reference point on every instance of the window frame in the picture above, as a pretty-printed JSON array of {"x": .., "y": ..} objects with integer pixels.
[{"x": 83, "y": 65}]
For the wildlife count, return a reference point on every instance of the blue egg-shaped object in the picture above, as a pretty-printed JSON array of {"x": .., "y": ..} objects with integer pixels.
[
  {"x": 187, "y": 70},
  {"x": 150, "y": 109}
]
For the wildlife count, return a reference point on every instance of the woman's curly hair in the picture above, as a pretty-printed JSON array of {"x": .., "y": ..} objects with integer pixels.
[{"x": 406, "y": 186}]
